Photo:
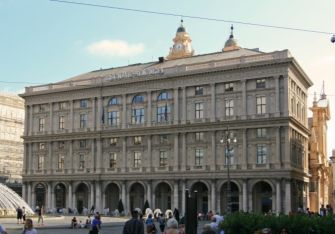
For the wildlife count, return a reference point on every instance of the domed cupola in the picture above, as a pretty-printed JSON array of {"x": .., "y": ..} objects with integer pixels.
[
  {"x": 231, "y": 43},
  {"x": 182, "y": 46}
]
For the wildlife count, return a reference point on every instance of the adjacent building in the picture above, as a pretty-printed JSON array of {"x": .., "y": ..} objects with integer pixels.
[
  {"x": 11, "y": 143},
  {"x": 149, "y": 131}
]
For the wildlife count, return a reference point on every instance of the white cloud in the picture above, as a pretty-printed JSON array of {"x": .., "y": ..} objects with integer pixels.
[{"x": 116, "y": 48}]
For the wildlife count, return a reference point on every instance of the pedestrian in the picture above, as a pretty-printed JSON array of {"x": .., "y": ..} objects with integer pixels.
[
  {"x": 19, "y": 215},
  {"x": 2, "y": 230},
  {"x": 134, "y": 225},
  {"x": 171, "y": 227},
  {"x": 176, "y": 214},
  {"x": 161, "y": 222},
  {"x": 92, "y": 209},
  {"x": 322, "y": 211},
  {"x": 96, "y": 225},
  {"x": 28, "y": 227},
  {"x": 40, "y": 215},
  {"x": 24, "y": 214}
]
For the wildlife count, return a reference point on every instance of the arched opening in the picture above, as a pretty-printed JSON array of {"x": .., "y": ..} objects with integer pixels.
[
  {"x": 262, "y": 197},
  {"x": 202, "y": 196},
  {"x": 136, "y": 196},
  {"x": 60, "y": 196},
  {"x": 234, "y": 198},
  {"x": 40, "y": 192},
  {"x": 112, "y": 196},
  {"x": 82, "y": 197},
  {"x": 163, "y": 197}
]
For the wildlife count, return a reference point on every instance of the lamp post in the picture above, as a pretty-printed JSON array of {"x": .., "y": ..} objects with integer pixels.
[{"x": 227, "y": 139}]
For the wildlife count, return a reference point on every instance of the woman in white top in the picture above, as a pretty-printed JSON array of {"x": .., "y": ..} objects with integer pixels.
[{"x": 29, "y": 228}]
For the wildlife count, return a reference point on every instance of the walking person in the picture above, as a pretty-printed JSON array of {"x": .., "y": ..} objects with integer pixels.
[
  {"x": 24, "y": 214},
  {"x": 19, "y": 215},
  {"x": 161, "y": 222},
  {"x": 40, "y": 216},
  {"x": 134, "y": 225},
  {"x": 29, "y": 228}
]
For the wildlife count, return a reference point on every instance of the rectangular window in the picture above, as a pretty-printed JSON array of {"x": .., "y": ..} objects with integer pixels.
[
  {"x": 83, "y": 103},
  {"x": 229, "y": 86},
  {"x": 112, "y": 160},
  {"x": 261, "y": 154},
  {"x": 41, "y": 146},
  {"x": 163, "y": 139},
  {"x": 229, "y": 107},
  {"x": 61, "y": 158},
  {"x": 113, "y": 118},
  {"x": 62, "y": 105},
  {"x": 199, "y": 136},
  {"x": 61, "y": 145},
  {"x": 41, "y": 123},
  {"x": 261, "y": 132},
  {"x": 199, "y": 157},
  {"x": 137, "y": 140},
  {"x": 113, "y": 140},
  {"x": 260, "y": 83},
  {"x": 82, "y": 144},
  {"x": 163, "y": 113},
  {"x": 229, "y": 157},
  {"x": 83, "y": 120},
  {"x": 199, "y": 110},
  {"x": 137, "y": 116},
  {"x": 162, "y": 158},
  {"x": 40, "y": 162},
  {"x": 199, "y": 90},
  {"x": 61, "y": 122},
  {"x": 260, "y": 105},
  {"x": 137, "y": 159},
  {"x": 81, "y": 161}
]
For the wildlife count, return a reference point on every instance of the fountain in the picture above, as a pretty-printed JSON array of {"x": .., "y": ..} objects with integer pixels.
[{"x": 10, "y": 201}]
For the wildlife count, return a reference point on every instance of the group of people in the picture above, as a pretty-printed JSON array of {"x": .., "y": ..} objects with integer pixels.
[
  {"x": 21, "y": 215},
  {"x": 93, "y": 224},
  {"x": 169, "y": 225}
]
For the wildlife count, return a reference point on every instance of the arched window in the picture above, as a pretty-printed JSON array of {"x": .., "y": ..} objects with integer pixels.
[
  {"x": 113, "y": 101},
  {"x": 138, "y": 99},
  {"x": 163, "y": 96}
]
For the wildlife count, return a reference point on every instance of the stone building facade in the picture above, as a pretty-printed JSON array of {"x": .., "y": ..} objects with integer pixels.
[
  {"x": 149, "y": 131},
  {"x": 320, "y": 167},
  {"x": 11, "y": 143}
]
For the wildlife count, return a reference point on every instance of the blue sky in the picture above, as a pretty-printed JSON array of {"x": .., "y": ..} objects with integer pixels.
[{"x": 44, "y": 42}]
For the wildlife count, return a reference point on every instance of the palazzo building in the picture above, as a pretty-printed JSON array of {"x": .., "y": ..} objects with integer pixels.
[
  {"x": 321, "y": 181},
  {"x": 11, "y": 143},
  {"x": 149, "y": 131}
]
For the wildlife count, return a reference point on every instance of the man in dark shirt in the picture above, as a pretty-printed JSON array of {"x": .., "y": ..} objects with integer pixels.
[{"x": 133, "y": 225}]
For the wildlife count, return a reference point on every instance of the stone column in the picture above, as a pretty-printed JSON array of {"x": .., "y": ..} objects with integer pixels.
[
  {"x": 176, "y": 106},
  {"x": 71, "y": 157},
  {"x": 93, "y": 156},
  {"x": 184, "y": 110},
  {"x": 31, "y": 123},
  {"x": 213, "y": 198},
  {"x": 214, "y": 159},
  {"x": 70, "y": 195},
  {"x": 100, "y": 114},
  {"x": 278, "y": 144},
  {"x": 288, "y": 207},
  {"x": 150, "y": 153},
  {"x": 245, "y": 196},
  {"x": 50, "y": 166},
  {"x": 51, "y": 117},
  {"x": 183, "y": 205},
  {"x": 26, "y": 158},
  {"x": 175, "y": 195},
  {"x": 244, "y": 109},
  {"x": 184, "y": 156},
  {"x": 149, "y": 194},
  {"x": 278, "y": 197},
  {"x": 74, "y": 198},
  {"x": 49, "y": 189},
  {"x": 124, "y": 153},
  {"x": 26, "y": 125},
  {"x": 94, "y": 115},
  {"x": 33, "y": 198},
  {"x": 123, "y": 196},
  {"x": 285, "y": 104},
  {"x": 24, "y": 192},
  {"x": 98, "y": 196},
  {"x": 213, "y": 103},
  {"x": 99, "y": 162},
  {"x": 29, "y": 194},
  {"x": 149, "y": 111},
  {"x": 91, "y": 195},
  {"x": 277, "y": 101},
  {"x": 71, "y": 116},
  {"x": 31, "y": 159},
  {"x": 176, "y": 152},
  {"x": 124, "y": 111},
  {"x": 52, "y": 199},
  {"x": 244, "y": 149}
]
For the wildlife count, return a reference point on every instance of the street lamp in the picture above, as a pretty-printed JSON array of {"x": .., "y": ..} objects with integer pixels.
[{"x": 227, "y": 140}]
